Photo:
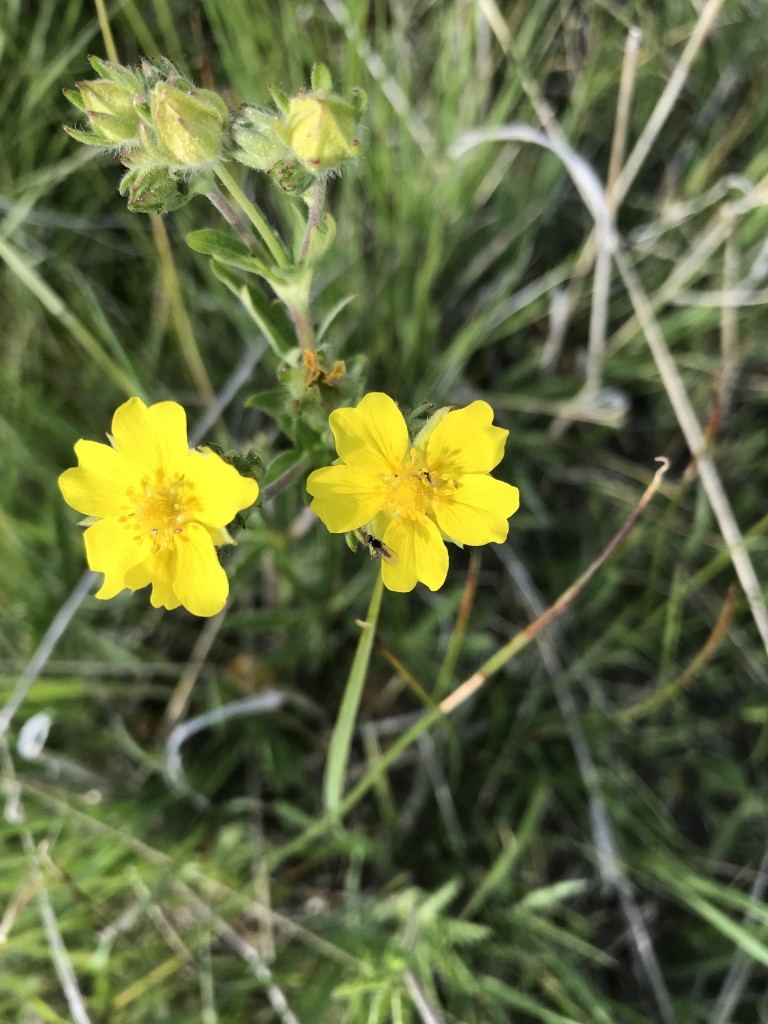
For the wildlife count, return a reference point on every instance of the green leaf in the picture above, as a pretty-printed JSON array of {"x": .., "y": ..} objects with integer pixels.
[
  {"x": 268, "y": 317},
  {"x": 271, "y": 402},
  {"x": 284, "y": 462},
  {"x": 320, "y": 240},
  {"x": 219, "y": 244},
  {"x": 341, "y": 740},
  {"x": 332, "y": 314}
]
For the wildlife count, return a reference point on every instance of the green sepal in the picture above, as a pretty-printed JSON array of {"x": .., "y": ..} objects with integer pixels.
[
  {"x": 359, "y": 101},
  {"x": 159, "y": 69},
  {"x": 248, "y": 464},
  {"x": 151, "y": 151},
  {"x": 114, "y": 131},
  {"x": 88, "y": 138},
  {"x": 321, "y": 78},
  {"x": 75, "y": 99},
  {"x": 421, "y": 438},
  {"x": 112, "y": 72},
  {"x": 281, "y": 100}
]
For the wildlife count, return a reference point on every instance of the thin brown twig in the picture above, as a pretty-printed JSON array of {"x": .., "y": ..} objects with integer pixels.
[{"x": 471, "y": 685}]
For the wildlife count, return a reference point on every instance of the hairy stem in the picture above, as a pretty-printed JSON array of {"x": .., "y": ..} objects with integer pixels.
[{"x": 254, "y": 215}]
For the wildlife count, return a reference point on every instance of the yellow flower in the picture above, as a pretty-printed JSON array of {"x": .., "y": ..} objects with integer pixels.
[
  {"x": 158, "y": 508},
  {"x": 411, "y": 496}
]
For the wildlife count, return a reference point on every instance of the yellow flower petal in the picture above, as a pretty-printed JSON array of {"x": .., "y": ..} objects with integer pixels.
[
  {"x": 345, "y": 498},
  {"x": 163, "y": 596},
  {"x": 113, "y": 549},
  {"x": 220, "y": 536},
  {"x": 155, "y": 570},
  {"x": 465, "y": 441},
  {"x": 398, "y": 577},
  {"x": 221, "y": 491},
  {"x": 421, "y": 552},
  {"x": 197, "y": 578},
  {"x": 159, "y": 569},
  {"x": 476, "y": 512},
  {"x": 99, "y": 485},
  {"x": 153, "y": 438},
  {"x": 373, "y": 436}
]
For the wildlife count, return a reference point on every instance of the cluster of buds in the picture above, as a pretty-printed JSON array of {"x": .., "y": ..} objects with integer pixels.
[
  {"x": 170, "y": 134},
  {"x": 310, "y": 136}
]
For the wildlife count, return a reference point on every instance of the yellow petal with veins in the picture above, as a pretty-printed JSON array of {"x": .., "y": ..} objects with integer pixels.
[
  {"x": 345, "y": 498},
  {"x": 465, "y": 441},
  {"x": 421, "y": 553},
  {"x": 477, "y": 510},
  {"x": 221, "y": 491},
  {"x": 197, "y": 578},
  {"x": 113, "y": 550},
  {"x": 99, "y": 485},
  {"x": 372, "y": 437}
]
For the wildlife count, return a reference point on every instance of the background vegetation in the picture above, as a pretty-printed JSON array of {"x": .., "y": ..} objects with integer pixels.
[{"x": 586, "y": 839}]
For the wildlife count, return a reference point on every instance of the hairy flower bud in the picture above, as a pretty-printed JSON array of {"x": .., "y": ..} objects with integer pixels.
[
  {"x": 189, "y": 124},
  {"x": 320, "y": 129},
  {"x": 313, "y": 133},
  {"x": 111, "y": 105},
  {"x": 257, "y": 137},
  {"x": 153, "y": 189}
]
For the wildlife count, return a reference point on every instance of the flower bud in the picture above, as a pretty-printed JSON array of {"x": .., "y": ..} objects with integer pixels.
[
  {"x": 320, "y": 129},
  {"x": 111, "y": 105},
  {"x": 291, "y": 176},
  {"x": 257, "y": 136},
  {"x": 189, "y": 124},
  {"x": 153, "y": 189}
]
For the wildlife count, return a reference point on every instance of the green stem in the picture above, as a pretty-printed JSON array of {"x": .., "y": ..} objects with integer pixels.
[
  {"x": 231, "y": 216},
  {"x": 305, "y": 329},
  {"x": 254, "y": 215},
  {"x": 341, "y": 740},
  {"x": 285, "y": 480},
  {"x": 314, "y": 217},
  {"x": 335, "y": 813}
]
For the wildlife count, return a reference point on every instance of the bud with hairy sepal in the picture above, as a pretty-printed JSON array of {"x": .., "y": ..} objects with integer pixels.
[
  {"x": 312, "y": 135},
  {"x": 190, "y": 124},
  {"x": 321, "y": 129},
  {"x": 257, "y": 138},
  {"x": 112, "y": 105},
  {"x": 153, "y": 189}
]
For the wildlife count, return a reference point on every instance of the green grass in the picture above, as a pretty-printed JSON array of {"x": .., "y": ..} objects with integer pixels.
[{"x": 585, "y": 840}]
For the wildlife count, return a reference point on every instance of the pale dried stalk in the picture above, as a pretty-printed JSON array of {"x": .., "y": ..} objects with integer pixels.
[{"x": 694, "y": 436}]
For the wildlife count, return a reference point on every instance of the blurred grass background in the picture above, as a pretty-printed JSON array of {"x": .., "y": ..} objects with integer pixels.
[{"x": 586, "y": 840}]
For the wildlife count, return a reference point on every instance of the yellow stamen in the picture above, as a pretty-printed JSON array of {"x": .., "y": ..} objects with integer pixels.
[
  {"x": 415, "y": 489},
  {"x": 161, "y": 508}
]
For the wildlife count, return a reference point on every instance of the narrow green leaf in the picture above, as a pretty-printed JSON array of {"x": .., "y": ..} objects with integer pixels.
[
  {"x": 341, "y": 740},
  {"x": 219, "y": 244}
]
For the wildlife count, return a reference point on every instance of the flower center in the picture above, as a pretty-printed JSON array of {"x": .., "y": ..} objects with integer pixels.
[
  {"x": 160, "y": 508},
  {"x": 413, "y": 490}
]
